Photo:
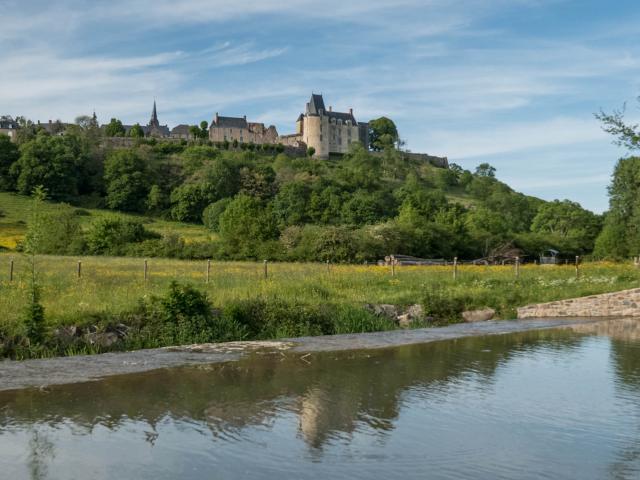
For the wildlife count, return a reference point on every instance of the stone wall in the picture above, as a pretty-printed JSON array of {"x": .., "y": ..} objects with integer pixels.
[
  {"x": 618, "y": 304},
  {"x": 440, "y": 162}
]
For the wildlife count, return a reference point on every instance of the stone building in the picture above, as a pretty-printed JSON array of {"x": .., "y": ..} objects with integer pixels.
[
  {"x": 326, "y": 131},
  {"x": 53, "y": 128},
  {"x": 237, "y": 128},
  {"x": 181, "y": 131},
  {"x": 8, "y": 126}
]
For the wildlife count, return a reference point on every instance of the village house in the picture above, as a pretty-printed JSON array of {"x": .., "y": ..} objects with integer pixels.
[
  {"x": 237, "y": 128},
  {"x": 8, "y": 126}
]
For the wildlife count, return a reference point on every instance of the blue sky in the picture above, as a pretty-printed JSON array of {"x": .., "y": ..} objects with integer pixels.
[{"x": 511, "y": 82}]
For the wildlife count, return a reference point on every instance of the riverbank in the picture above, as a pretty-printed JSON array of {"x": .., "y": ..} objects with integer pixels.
[
  {"x": 105, "y": 304},
  {"x": 41, "y": 373}
]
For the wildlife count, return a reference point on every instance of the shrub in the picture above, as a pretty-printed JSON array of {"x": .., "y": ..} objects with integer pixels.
[
  {"x": 275, "y": 318},
  {"x": 444, "y": 305},
  {"x": 110, "y": 236},
  {"x": 211, "y": 214}
]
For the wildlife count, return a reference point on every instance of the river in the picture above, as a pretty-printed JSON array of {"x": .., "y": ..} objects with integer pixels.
[{"x": 558, "y": 403}]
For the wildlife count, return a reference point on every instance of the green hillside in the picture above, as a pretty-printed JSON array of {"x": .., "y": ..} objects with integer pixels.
[
  {"x": 14, "y": 212},
  {"x": 251, "y": 201}
]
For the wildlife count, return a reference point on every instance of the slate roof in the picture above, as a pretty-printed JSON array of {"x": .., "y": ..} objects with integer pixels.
[
  {"x": 230, "y": 122},
  {"x": 162, "y": 129},
  {"x": 341, "y": 116},
  {"x": 180, "y": 130},
  {"x": 8, "y": 123},
  {"x": 316, "y": 104}
]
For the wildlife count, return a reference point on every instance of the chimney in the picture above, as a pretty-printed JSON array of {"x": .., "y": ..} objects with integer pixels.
[
  {"x": 351, "y": 112},
  {"x": 330, "y": 108},
  {"x": 49, "y": 122},
  {"x": 217, "y": 118},
  {"x": 245, "y": 118}
]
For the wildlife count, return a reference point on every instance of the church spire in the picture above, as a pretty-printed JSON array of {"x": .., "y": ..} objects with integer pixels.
[{"x": 154, "y": 116}]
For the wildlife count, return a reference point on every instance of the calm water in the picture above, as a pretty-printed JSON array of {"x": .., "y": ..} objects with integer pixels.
[{"x": 547, "y": 404}]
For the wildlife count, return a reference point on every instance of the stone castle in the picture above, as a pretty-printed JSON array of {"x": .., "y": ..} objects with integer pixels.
[{"x": 326, "y": 131}]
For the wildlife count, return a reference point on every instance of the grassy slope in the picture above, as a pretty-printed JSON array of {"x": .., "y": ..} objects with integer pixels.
[
  {"x": 16, "y": 212},
  {"x": 116, "y": 284}
]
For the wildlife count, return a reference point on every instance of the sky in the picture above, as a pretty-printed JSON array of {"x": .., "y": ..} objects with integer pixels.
[{"x": 514, "y": 83}]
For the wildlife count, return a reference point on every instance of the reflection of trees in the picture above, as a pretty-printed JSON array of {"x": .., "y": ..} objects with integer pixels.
[
  {"x": 334, "y": 394},
  {"x": 41, "y": 450},
  {"x": 625, "y": 356}
]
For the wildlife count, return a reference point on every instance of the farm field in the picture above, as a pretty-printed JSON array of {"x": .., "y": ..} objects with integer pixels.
[
  {"x": 115, "y": 285},
  {"x": 14, "y": 210}
]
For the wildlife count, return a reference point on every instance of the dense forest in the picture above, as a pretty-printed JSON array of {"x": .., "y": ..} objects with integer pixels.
[{"x": 263, "y": 203}]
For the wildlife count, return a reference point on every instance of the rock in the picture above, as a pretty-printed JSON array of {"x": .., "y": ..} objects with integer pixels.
[
  {"x": 481, "y": 315},
  {"x": 104, "y": 340},
  {"x": 121, "y": 330},
  {"x": 65, "y": 333},
  {"x": 383, "y": 310},
  {"x": 413, "y": 314}
]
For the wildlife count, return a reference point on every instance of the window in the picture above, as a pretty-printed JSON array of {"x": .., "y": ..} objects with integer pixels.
[{"x": 320, "y": 137}]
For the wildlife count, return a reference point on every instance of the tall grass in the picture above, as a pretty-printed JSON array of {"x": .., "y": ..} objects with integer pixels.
[{"x": 112, "y": 285}]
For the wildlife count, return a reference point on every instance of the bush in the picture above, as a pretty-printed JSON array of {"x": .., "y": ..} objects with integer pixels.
[
  {"x": 445, "y": 305},
  {"x": 275, "y": 318},
  {"x": 111, "y": 236},
  {"x": 182, "y": 316}
]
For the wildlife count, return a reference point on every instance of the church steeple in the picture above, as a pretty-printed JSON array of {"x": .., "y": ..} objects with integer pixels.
[{"x": 154, "y": 116}]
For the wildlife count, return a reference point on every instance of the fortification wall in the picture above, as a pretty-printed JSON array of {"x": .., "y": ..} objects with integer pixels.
[{"x": 618, "y": 304}]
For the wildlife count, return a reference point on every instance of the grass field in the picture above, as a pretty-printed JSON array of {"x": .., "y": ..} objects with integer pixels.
[
  {"x": 15, "y": 209},
  {"x": 113, "y": 285}
]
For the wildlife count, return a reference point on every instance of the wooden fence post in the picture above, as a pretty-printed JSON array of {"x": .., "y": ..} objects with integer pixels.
[
  {"x": 146, "y": 271},
  {"x": 328, "y": 267},
  {"x": 208, "y": 270},
  {"x": 577, "y": 267},
  {"x": 455, "y": 268},
  {"x": 79, "y": 269},
  {"x": 11, "y": 270},
  {"x": 517, "y": 267},
  {"x": 393, "y": 267},
  {"x": 266, "y": 270}
]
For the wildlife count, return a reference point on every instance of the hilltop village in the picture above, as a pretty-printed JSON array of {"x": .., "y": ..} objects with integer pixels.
[{"x": 319, "y": 128}]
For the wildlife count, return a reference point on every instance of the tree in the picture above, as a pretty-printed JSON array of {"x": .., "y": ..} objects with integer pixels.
[
  {"x": 114, "y": 128},
  {"x": 189, "y": 200},
  {"x": 245, "y": 224},
  {"x": 623, "y": 218},
  {"x": 290, "y": 205},
  {"x": 211, "y": 215},
  {"x": 383, "y": 134},
  {"x": 311, "y": 152},
  {"x": 136, "y": 131},
  {"x": 204, "y": 129},
  {"x": 485, "y": 170},
  {"x": 627, "y": 134},
  {"x": 9, "y": 154},
  {"x": 126, "y": 180},
  {"x": 50, "y": 162},
  {"x": 194, "y": 131}
]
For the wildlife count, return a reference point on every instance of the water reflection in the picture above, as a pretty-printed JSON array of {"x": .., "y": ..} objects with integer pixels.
[{"x": 342, "y": 399}]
